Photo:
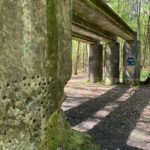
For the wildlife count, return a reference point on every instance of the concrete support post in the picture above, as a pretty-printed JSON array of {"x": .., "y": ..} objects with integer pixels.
[
  {"x": 95, "y": 69},
  {"x": 35, "y": 39},
  {"x": 131, "y": 62},
  {"x": 112, "y": 54}
]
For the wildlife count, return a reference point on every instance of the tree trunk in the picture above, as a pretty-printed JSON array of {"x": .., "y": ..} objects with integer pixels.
[
  {"x": 139, "y": 20},
  {"x": 145, "y": 44},
  {"x": 77, "y": 60},
  {"x": 83, "y": 61},
  {"x": 86, "y": 57}
]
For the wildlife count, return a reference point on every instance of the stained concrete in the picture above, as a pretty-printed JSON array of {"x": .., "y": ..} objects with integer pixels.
[
  {"x": 97, "y": 13},
  {"x": 95, "y": 58},
  {"x": 35, "y": 39},
  {"x": 131, "y": 62},
  {"x": 112, "y": 70}
]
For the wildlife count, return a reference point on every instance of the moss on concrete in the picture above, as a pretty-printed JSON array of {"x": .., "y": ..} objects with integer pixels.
[{"x": 62, "y": 137}]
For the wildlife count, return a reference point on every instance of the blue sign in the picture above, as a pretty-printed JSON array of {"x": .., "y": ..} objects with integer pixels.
[{"x": 130, "y": 61}]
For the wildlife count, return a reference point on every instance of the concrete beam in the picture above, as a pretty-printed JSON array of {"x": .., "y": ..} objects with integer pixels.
[
  {"x": 87, "y": 29},
  {"x": 80, "y": 37},
  {"x": 102, "y": 16}
]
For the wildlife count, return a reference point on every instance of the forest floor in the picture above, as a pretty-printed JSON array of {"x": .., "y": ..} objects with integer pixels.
[{"x": 117, "y": 117}]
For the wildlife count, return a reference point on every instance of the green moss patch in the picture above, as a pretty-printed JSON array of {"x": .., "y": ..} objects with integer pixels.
[{"x": 62, "y": 137}]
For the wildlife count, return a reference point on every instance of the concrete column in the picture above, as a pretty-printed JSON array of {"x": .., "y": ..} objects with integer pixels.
[
  {"x": 95, "y": 57},
  {"x": 131, "y": 62},
  {"x": 35, "y": 64},
  {"x": 112, "y": 54}
]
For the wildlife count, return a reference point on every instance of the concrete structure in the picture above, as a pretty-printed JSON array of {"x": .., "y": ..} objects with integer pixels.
[
  {"x": 131, "y": 74},
  {"x": 35, "y": 63},
  {"x": 95, "y": 21},
  {"x": 112, "y": 54},
  {"x": 99, "y": 19},
  {"x": 35, "y": 38},
  {"x": 95, "y": 58}
]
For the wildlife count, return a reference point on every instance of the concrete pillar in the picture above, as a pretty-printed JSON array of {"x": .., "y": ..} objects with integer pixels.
[
  {"x": 95, "y": 69},
  {"x": 112, "y": 54},
  {"x": 131, "y": 62},
  {"x": 35, "y": 39}
]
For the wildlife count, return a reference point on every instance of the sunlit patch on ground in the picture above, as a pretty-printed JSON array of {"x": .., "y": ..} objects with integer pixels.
[
  {"x": 140, "y": 136},
  {"x": 116, "y": 117}
]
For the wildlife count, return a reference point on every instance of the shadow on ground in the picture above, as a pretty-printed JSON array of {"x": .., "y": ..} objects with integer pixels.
[
  {"x": 112, "y": 131},
  {"x": 87, "y": 109}
]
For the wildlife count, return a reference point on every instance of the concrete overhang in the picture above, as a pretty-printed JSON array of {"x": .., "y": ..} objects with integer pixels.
[
  {"x": 94, "y": 18},
  {"x": 88, "y": 31}
]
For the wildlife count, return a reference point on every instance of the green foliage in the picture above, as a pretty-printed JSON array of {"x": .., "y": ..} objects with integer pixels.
[
  {"x": 62, "y": 137},
  {"x": 144, "y": 75},
  {"x": 83, "y": 55},
  {"x": 135, "y": 13}
]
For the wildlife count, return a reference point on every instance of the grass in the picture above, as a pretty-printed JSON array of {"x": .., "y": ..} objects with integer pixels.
[{"x": 144, "y": 75}]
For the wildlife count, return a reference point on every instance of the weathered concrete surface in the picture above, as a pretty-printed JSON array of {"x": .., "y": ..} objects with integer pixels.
[
  {"x": 112, "y": 54},
  {"x": 35, "y": 38},
  {"x": 101, "y": 17},
  {"x": 131, "y": 62},
  {"x": 95, "y": 69},
  {"x": 84, "y": 29}
]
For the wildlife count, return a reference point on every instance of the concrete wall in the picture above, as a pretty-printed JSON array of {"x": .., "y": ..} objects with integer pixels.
[
  {"x": 112, "y": 54},
  {"x": 95, "y": 58},
  {"x": 35, "y": 38},
  {"x": 131, "y": 62}
]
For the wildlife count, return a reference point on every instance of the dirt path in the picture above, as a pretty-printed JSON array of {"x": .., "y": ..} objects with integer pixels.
[{"x": 116, "y": 117}]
